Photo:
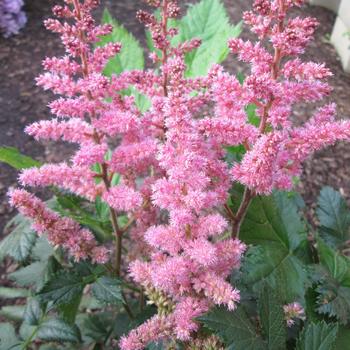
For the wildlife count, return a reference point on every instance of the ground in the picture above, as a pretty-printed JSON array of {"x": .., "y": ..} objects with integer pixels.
[{"x": 22, "y": 102}]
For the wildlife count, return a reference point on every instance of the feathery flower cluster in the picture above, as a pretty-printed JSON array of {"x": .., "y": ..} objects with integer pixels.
[
  {"x": 174, "y": 180},
  {"x": 293, "y": 311},
  {"x": 276, "y": 83},
  {"x": 61, "y": 232},
  {"x": 12, "y": 17}
]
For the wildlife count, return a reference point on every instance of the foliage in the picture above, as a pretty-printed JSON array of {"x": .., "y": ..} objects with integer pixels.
[{"x": 155, "y": 196}]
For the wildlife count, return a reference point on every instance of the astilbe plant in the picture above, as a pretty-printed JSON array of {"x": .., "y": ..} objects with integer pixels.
[{"x": 175, "y": 181}]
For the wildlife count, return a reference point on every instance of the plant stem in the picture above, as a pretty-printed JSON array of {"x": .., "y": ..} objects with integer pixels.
[
  {"x": 241, "y": 212},
  {"x": 248, "y": 195}
]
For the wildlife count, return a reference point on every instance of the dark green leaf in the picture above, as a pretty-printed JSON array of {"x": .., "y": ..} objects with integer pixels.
[
  {"x": 272, "y": 319},
  {"x": 62, "y": 289},
  {"x": 337, "y": 265},
  {"x": 343, "y": 339},
  {"x": 57, "y": 330},
  {"x": 19, "y": 241},
  {"x": 14, "y": 158},
  {"x": 33, "y": 312},
  {"x": 273, "y": 257},
  {"x": 108, "y": 290},
  {"x": 68, "y": 312},
  {"x": 318, "y": 336},
  {"x": 98, "y": 326},
  {"x": 234, "y": 328},
  {"x": 334, "y": 216}
]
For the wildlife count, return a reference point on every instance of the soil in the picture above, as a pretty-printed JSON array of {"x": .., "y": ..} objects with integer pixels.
[{"x": 22, "y": 102}]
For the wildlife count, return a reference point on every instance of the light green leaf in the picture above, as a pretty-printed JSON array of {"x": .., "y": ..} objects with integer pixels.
[
  {"x": 32, "y": 274},
  {"x": 318, "y": 336},
  {"x": 14, "y": 158},
  {"x": 334, "y": 216},
  {"x": 8, "y": 338},
  {"x": 20, "y": 240},
  {"x": 13, "y": 312},
  {"x": 108, "y": 290},
  {"x": 131, "y": 55},
  {"x": 272, "y": 319},
  {"x": 13, "y": 293},
  {"x": 57, "y": 330},
  {"x": 234, "y": 328},
  {"x": 208, "y": 21}
]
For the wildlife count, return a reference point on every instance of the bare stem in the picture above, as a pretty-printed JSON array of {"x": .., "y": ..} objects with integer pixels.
[{"x": 241, "y": 212}]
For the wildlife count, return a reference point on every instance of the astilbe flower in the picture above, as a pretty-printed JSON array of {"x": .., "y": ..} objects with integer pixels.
[
  {"x": 89, "y": 111},
  {"x": 292, "y": 312},
  {"x": 12, "y": 17},
  {"x": 277, "y": 82},
  {"x": 60, "y": 231}
]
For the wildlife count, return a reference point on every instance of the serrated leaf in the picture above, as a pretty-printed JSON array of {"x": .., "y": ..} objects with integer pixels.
[
  {"x": 57, "y": 330},
  {"x": 272, "y": 258},
  {"x": 42, "y": 250},
  {"x": 13, "y": 312},
  {"x": 208, "y": 21},
  {"x": 19, "y": 241},
  {"x": 13, "y": 293},
  {"x": 318, "y": 336},
  {"x": 8, "y": 338},
  {"x": 14, "y": 158},
  {"x": 108, "y": 290},
  {"x": 68, "y": 312},
  {"x": 234, "y": 328},
  {"x": 29, "y": 275},
  {"x": 272, "y": 319},
  {"x": 334, "y": 216},
  {"x": 62, "y": 289},
  {"x": 131, "y": 55},
  {"x": 337, "y": 265}
]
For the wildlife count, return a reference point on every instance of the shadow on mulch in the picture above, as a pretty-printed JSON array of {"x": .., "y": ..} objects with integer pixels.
[{"x": 22, "y": 102}]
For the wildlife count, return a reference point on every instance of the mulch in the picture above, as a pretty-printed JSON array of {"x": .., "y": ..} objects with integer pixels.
[{"x": 22, "y": 102}]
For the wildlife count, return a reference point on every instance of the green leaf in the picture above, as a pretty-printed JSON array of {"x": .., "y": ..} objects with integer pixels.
[
  {"x": 13, "y": 293},
  {"x": 62, "y": 289},
  {"x": 32, "y": 274},
  {"x": 334, "y": 216},
  {"x": 337, "y": 265},
  {"x": 8, "y": 338},
  {"x": 68, "y": 312},
  {"x": 234, "y": 328},
  {"x": 55, "y": 329},
  {"x": 20, "y": 240},
  {"x": 108, "y": 290},
  {"x": 272, "y": 258},
  {"x": 343, "y": 338},
  {"x": 13, "y": 312},
  {"x": 33, "y": 312},
  {"x": 131, "y": 55},
  {"x": 208, "y": 21},
  {"x": 318, "y": 336},
  {"x": 272, "y": 319},
  {"x": 14, "y": 158},
  {"x": 98, "y": 326}
]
